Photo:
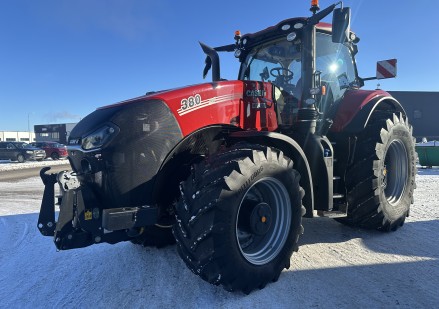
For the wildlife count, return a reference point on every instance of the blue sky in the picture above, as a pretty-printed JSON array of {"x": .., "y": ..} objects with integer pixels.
[{"x": 61, "y": 59}]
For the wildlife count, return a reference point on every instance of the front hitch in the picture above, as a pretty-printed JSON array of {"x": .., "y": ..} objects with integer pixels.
[{"x": 83, "y": 220}]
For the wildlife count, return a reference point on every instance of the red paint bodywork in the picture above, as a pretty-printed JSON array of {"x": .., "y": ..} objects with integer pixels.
[
  {"x": 353, "y": 102},
  {"x": 246, "y": 104}
]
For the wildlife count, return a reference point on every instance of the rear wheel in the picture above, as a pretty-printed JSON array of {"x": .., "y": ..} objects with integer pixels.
[
  {"x": 21, "y": 158},
  {"x": 381, "y": 181},
  {"x": 239, "y": 217}
]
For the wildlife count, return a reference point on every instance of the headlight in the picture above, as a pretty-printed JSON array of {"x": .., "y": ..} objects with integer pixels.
[
  {"x": 98, "y": 138},
  {"x": 29, "y": 152}
]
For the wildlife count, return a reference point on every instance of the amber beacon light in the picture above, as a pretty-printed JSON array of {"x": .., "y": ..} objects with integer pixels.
[{"x": 314, "y": 6}]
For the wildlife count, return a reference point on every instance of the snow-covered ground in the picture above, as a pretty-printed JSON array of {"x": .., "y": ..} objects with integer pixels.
[
  {"x": 6, "y": 165},
  {"x": 336, "y": 266}
]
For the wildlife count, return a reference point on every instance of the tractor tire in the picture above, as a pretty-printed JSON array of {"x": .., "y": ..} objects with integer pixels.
[
  {"x": 239, "y": 217},
  {"x": 155, "y": 236},
  {"x": 381, "y": 180}
]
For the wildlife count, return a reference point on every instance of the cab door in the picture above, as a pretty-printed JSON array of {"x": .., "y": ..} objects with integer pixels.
[{"x": 338, "y": 73}]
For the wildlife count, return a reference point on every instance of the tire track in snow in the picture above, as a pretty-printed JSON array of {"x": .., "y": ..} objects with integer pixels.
[{"x": 13, "y": 233}]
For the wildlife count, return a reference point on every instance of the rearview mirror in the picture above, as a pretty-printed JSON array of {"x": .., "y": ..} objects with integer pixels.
[{"x": 341, "y": 25}]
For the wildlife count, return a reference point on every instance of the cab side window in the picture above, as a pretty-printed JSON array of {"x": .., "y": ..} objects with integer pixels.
[{"x": 335, "y": 62}]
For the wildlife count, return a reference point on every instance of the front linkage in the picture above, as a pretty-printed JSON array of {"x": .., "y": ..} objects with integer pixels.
[{"x": 82, "y": 221}]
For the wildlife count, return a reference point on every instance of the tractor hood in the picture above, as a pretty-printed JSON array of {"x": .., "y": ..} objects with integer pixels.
[{"x": 193, "y": 106}]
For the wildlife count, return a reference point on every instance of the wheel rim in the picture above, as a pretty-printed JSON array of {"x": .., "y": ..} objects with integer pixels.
[
  {"x": 264, "y": 220},
  {"x": 20, "y": 158},
  {"x": 395, "y": 173}
]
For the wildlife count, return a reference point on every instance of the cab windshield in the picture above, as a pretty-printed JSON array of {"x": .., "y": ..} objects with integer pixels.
[{"x": 277, "y": 62}]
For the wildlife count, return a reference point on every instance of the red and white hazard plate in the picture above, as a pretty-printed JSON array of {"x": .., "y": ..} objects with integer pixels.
[{"x": 386, "y": 69}]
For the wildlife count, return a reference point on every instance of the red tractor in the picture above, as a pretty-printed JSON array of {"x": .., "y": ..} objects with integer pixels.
[{"x": 227, "y": 169}]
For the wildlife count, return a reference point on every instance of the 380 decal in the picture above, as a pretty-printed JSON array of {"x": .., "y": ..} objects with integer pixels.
[
  {"x": 195, "y": 102},
  {"x": 190, "y": 102}
]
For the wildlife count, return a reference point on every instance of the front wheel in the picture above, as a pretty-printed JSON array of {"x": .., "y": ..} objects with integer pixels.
[{"x": 239, "y": 217}]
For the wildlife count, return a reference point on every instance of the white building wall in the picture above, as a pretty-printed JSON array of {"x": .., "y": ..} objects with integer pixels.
[{"x": 16, "y": 136}]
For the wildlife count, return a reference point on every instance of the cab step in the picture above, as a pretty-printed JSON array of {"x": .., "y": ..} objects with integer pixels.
[{"x": 331, "y": 214}]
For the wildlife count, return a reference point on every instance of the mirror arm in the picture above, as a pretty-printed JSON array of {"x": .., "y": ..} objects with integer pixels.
[
  {"x": 368, "y": 78},
  {"x": 316, "y": 18}
]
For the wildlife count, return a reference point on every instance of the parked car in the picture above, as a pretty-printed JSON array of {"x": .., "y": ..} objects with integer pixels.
[
  {"x": 53, "y": 150},
  {"x": 19, "y": 151}
]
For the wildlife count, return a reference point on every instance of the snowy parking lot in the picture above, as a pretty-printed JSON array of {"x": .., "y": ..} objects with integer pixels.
[{"x": 336, "y": 266}]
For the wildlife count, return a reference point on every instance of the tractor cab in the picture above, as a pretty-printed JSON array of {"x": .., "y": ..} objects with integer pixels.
[
  {"x": 279, "y": 60},
  {"x": 309, "y": 63}
]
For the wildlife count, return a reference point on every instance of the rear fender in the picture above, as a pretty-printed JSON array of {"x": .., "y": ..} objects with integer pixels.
[
  {"x": 358, "y": 105},
  {"x": 290, "y": 148}
]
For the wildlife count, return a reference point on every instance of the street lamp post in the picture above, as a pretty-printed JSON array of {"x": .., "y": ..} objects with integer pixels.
[{"x": 28, "y": 127}]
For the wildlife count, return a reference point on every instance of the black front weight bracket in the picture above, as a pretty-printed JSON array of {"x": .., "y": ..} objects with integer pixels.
[{"x": 46, "y": 219}]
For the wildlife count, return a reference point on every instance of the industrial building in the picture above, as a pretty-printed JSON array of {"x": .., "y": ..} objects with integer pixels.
[
  {"x": 53, "y": 132},
  {"x": 422, "y": 108},
  {"x": 17, "y": 136}
]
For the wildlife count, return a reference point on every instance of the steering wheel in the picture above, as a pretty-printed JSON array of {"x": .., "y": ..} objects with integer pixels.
[{"x": 277, "y": 72}]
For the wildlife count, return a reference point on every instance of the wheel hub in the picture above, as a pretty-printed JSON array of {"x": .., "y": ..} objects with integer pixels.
[
  {"x": 395, "y": 172},
  {"x": 260, "y": 219},
  {"x": 264, "y": 220}
]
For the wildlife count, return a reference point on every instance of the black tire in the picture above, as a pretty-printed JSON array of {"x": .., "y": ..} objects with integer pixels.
[
  {"x": 239, "y": 217},
  {"x": 54, "y": 156},
  {"x": 381, "y": 181},
  {"x": 155, "y": 236},
  {"x": 21, "y": 158}
]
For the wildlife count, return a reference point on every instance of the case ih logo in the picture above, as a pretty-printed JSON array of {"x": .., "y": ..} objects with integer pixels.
[
  {"x": 255, "y": 93},
  {"x": 386, "y": 69}
]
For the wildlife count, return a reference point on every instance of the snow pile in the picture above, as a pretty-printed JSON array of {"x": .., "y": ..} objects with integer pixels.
[
  {"x": 428, "y": 144},
  {"x": 6, "y": 165}
]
